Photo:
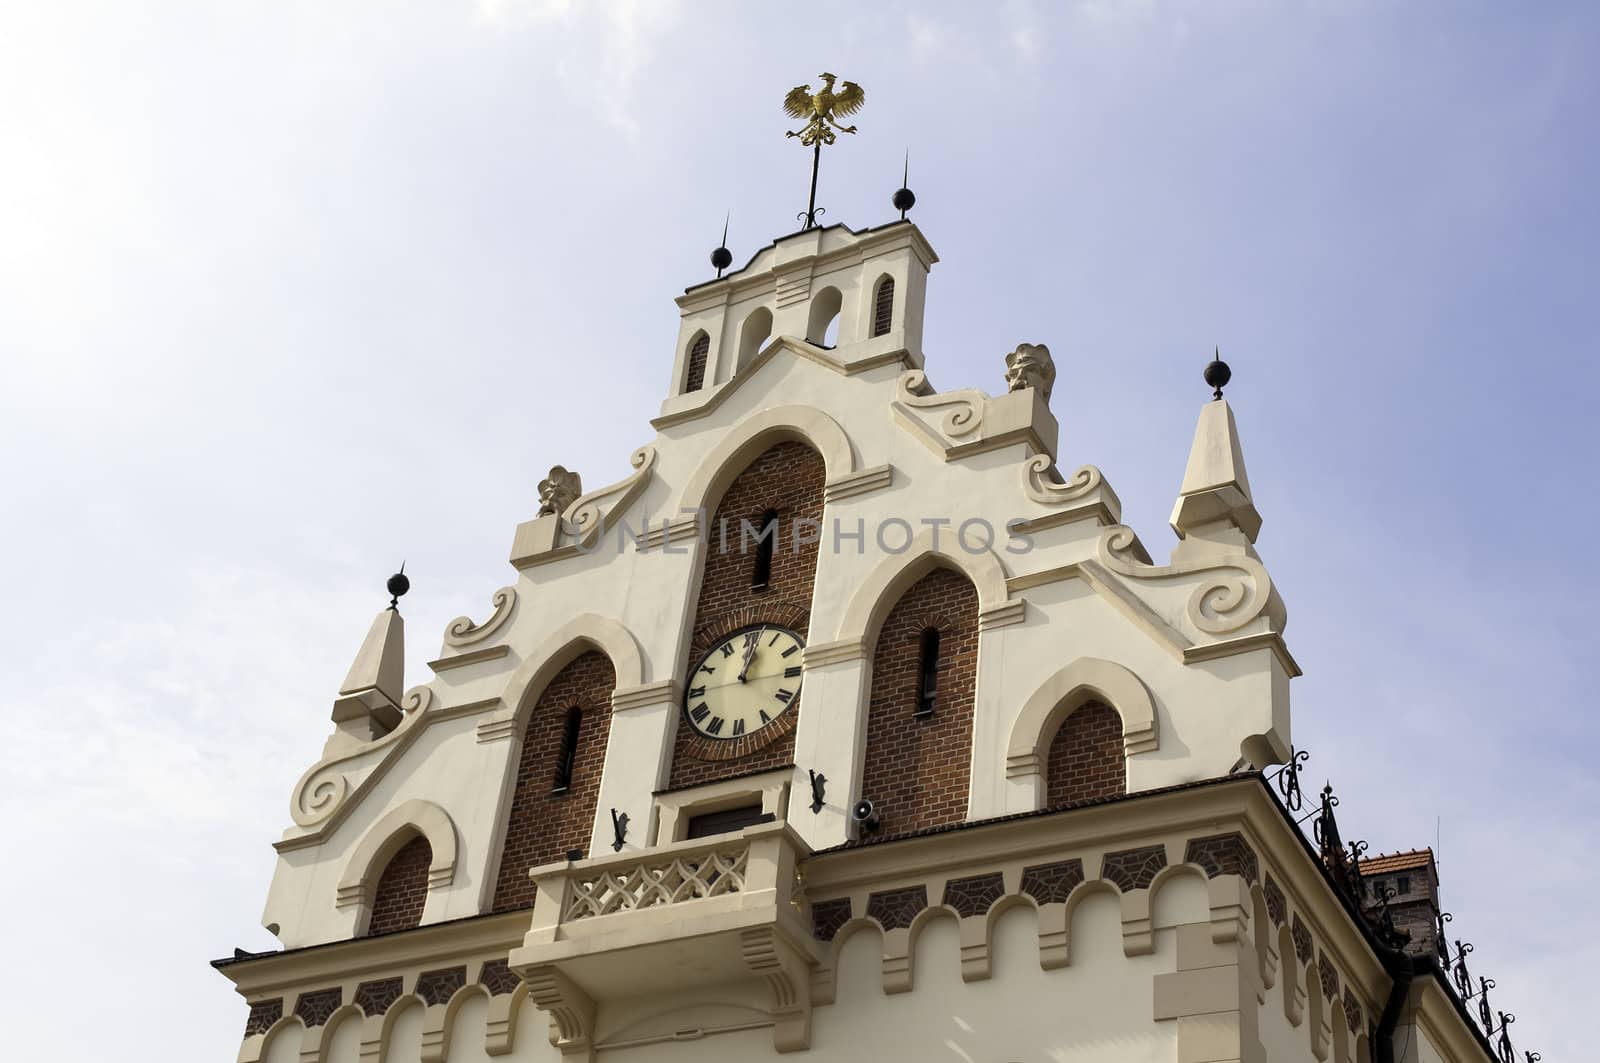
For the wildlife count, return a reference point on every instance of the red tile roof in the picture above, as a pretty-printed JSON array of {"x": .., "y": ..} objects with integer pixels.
[{"x": 1387, "y": 863}]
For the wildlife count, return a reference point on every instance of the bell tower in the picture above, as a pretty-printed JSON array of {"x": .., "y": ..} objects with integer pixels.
[{"x": 858, "y": 295}]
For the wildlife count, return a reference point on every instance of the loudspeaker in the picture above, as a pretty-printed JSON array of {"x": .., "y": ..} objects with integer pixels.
[{"x": 865, "y": 814}]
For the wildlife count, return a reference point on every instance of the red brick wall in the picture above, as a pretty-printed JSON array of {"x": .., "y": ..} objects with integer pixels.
[
  {"x": 787, "y": 478},
  {"x": 1086, "y": 758},
  {"x": 918, "y": 769},
  {"x": 543, "y": 826},
  {"x": 402, "y": 889},
  {"x": 695, "y": 377}
]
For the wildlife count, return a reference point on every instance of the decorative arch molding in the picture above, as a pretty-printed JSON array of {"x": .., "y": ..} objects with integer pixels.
[
  {"x": 747, "y": 439},
  {"x": 256, "y": 1048},
  {"x": 384, "y": 838},
  {"x": 584, "y": 632},
  {"x": 1084, "y": 680},
  {"x": 321, "y": 1037},
  {"x": 878, "y": 593}
]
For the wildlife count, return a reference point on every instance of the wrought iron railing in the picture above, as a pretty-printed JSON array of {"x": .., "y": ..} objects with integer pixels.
[{"x": 1344, "y": 867}]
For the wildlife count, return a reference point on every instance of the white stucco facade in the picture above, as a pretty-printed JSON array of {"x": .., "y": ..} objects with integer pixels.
[{"x": 1075, "y": 953}]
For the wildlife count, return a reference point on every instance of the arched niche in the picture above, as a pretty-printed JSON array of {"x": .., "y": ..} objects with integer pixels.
[
  {"x": 385, "y": 838},
  {"x": 1085, "y": 679}
]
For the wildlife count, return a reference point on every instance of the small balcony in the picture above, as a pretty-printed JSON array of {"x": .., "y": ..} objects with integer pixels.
[{"x": 688, "y": 913}]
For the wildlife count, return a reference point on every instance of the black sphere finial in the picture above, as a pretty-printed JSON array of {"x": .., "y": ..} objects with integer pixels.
[
  {"x": 1218, "y": 374},
  {"x": 904, "y": 199},
  {"x": 722, "y": 258},
  {"x": 397, "y": 586}
]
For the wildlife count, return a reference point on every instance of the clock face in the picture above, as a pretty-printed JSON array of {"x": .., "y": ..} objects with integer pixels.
[{"x": 744, "y": 682}]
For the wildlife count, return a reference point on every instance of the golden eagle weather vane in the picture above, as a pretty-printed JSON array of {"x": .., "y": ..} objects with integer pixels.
[{"x": 821, "y": 112}]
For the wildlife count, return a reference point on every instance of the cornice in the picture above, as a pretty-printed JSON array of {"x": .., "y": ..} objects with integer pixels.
[
  {"x": 861, "y": 482},
  {"x": 470, "y": 657},
  {"x": 1445, "y": 1022},
  {"x": 1272, "y": 640},
  {"x": 866, "y": 244},
  {"x": 434, "y": 944},
  {"x": 1090, "y": 509},
  {"x": 663, "y": 691}
]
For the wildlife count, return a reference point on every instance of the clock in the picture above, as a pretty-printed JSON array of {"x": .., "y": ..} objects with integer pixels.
[{"x": 745, "y": 682}]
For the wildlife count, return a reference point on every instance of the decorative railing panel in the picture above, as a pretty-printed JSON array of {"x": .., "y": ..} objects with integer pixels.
[{"x": 652, "y": 883}]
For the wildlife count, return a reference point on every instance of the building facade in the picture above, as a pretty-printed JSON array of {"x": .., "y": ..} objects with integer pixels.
[{"x": 845, "y": 725}]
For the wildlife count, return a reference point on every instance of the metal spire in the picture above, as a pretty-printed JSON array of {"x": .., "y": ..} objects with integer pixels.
[
  {"x": 721, "y": 257},
  {"x": 397, "y": 586},
  {"x": 1217, "y": 374},
  {"x": 904, "y": 199}
]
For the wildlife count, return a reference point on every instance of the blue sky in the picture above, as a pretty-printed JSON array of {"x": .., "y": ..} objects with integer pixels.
[{"x": 291, "y": 291}]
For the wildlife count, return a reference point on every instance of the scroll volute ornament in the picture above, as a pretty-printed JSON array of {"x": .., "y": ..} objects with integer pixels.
[
  {"x": 463, "y": 631},
  {"x": 1233, "y": 590},
  {"x": 558, "y": 490},
  {"x": 1030, "y": 366}
]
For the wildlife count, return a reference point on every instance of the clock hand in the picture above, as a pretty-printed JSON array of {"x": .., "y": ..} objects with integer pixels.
[{"x": 750, "y": 652}]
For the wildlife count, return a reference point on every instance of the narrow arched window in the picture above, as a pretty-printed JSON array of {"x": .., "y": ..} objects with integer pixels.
[
  {"x": 883, "y": 308},
  {"x": 568, "y": 754},
  {"x": 765, "y": 540},
  {"x": 752, "y": 334},
  {"x": 822, "y": 327},
  {"x": 699, "y": 350},
  {"x": 928, "y": 674}
]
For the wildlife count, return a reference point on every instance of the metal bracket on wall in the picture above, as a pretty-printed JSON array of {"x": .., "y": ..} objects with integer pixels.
[{"x": 819, "y": 785}]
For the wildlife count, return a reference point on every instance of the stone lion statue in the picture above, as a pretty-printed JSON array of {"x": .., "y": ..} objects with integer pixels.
[
  {"x": 558, "y": 490},
  {"x": 1030, "y": 366}
]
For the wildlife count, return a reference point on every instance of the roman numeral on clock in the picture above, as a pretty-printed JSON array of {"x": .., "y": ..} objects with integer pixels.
[
  {"x": 791, "y": 671},
  {"x": 765, "y": 719},
  {"x": 791, "y": 650},
  {"x": 699, "y": 712},
  {"x": 715, "y": 726},
  {"x": 727, "y": 649},
  {"x": 738, "y": 726},
  {"x": 697, "y": 692},
  {"x": 785, "y": 695}
]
